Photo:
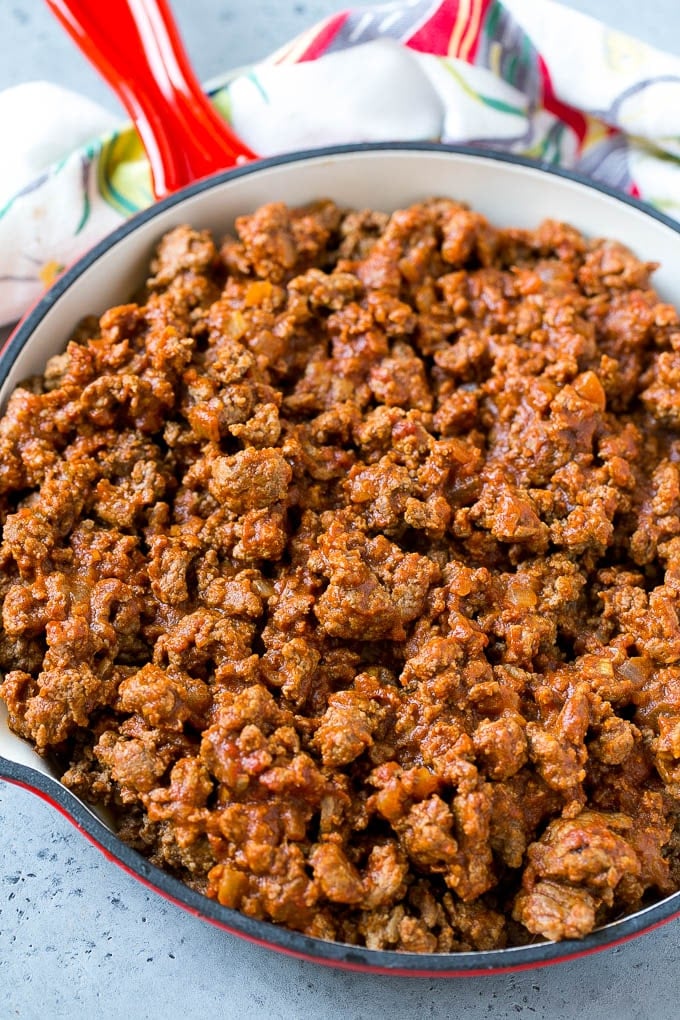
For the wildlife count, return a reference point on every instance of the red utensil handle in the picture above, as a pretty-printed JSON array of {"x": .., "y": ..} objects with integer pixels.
[{"x": 135, "y": 45}]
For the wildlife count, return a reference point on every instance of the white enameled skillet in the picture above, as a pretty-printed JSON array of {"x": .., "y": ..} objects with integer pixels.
[{"x": 510, "y": 192}]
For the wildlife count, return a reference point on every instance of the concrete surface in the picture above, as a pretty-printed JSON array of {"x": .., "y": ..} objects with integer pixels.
[{"x": 78, "y": 937}]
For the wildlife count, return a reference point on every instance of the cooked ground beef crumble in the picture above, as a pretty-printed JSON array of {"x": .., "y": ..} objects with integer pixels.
[{"x": 344, "y": 568}]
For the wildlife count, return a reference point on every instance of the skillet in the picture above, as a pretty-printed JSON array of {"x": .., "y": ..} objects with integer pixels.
[{"x": 189, "y": 151}]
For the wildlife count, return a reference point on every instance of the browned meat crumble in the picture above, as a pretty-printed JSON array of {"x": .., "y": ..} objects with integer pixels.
[{"x": 345, "y": 567}]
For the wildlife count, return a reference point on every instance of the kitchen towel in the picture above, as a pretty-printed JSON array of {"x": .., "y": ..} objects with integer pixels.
[{"x": 496, "y": 74}]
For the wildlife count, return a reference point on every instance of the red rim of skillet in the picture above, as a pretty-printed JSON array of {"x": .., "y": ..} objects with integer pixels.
[{"x": 265, "y": 933}]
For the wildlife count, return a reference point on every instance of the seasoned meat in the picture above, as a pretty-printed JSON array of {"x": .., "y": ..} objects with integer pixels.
[{"x": 344, "y": 568}]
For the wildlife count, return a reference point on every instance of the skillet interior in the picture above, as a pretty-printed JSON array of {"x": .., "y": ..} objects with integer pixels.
[{"x": 508, "y": 192}]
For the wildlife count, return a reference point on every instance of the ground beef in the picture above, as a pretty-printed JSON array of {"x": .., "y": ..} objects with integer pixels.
[{"x": 344, "y": 567}]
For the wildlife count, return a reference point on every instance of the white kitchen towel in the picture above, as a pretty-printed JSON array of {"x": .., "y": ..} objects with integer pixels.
[{"x": 498, "y": 74}]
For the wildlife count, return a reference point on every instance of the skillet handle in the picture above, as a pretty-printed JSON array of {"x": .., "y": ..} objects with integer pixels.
[{"x": 135, "y": 45}]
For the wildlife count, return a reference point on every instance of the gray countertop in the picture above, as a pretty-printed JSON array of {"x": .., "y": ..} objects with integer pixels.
[{"x": 79, "y": 937}]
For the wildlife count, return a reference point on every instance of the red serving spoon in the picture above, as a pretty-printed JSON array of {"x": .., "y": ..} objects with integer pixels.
[{"x": 136, "y": 46}]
